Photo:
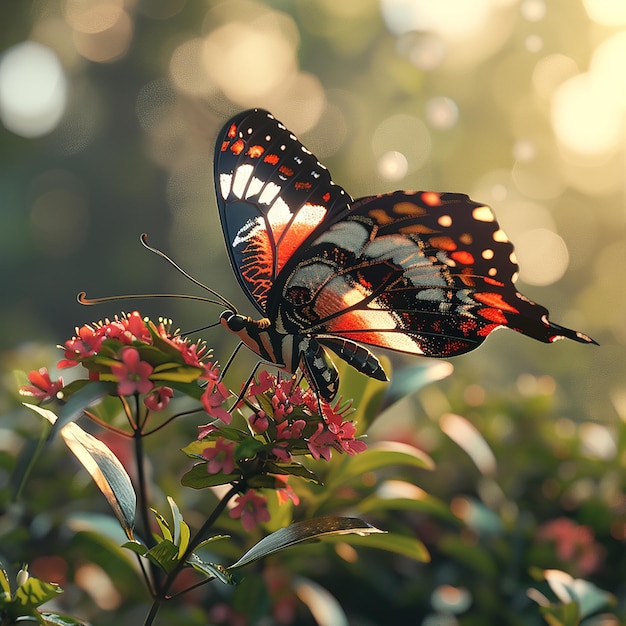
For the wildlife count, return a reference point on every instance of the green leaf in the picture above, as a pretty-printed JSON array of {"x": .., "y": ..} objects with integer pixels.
[
  {"x": 304, "y": 531},
  {"x": 103, "y": 466},
  {"x": 166, "y": 533},
  {"x": 34, "y": 593},
  {"x": 136, "y": 547},
  {"x": 172, "y": 372},
  {"x": 410, "y": 379},
  {"x": 367, "y": 392},
  {"x": 397, "y": 495},
  {"x": 588, "y": 598},
  {"x": 165, "y": 555},
  {"x": 211, "y": 570},
  {"x": 409, "y": 547},
  {"x": 378, "y": 456},
  {"x": 562, "y": 615},
  {"x": 79, "y": 401},
  {"x": 198, "y": 478},
  {"x": 293, "y": 469},
  {"x": 204, "y": 542},
  {"x": 5, "y": 586},
  {"x": 248, "y": 449},
  {"x": 56, "y": 619},
  {"x": 181, "y": 529}
]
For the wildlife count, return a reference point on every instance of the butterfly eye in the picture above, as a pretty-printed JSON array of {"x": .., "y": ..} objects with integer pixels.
[{"x": 234, "y": 322}]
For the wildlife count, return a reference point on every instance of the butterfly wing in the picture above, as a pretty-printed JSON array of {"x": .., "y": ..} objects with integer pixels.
[
  {"x": 272, "y": 194},
  {"x": 417, "y": 272}
]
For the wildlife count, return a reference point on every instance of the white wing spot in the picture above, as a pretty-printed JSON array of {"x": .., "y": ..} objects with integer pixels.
[
  {"x": 445, "y": 221},
  {"x": 225, "y": 183},
  {"x": 500, "y": 236},
  {"x": 483, "y": 214}
]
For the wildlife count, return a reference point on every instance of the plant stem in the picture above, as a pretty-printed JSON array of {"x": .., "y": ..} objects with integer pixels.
[{"x": 154, "y": 609}]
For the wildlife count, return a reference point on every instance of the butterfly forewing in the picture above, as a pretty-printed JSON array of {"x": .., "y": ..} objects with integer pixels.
[{"x": 272, "y": 194}]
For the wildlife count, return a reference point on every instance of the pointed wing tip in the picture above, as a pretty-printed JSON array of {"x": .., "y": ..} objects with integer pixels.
[{"x": 567, "y": 333}]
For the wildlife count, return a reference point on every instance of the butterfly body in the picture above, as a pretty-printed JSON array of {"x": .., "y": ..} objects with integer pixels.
[{"x": 417, "y": 272}]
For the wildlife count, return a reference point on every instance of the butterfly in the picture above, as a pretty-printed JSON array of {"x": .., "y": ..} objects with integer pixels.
[{"x": 418, "y": 272}]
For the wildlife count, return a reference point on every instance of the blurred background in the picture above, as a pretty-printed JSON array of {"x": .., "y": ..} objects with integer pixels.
[{"x": 109, "y": 111}]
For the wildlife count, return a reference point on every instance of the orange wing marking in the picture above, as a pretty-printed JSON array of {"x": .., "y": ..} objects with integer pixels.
[
  {"x": 237, "y": 147},
  {"x": 255, "y": 151},
  {"x": 494, "y": 300}
]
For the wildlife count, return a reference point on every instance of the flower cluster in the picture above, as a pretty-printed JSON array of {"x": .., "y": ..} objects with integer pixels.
[
  {"x": 276, "y": 419},
  {"x": 285, "y": 421},
  {"x": 140, "y": 358}
]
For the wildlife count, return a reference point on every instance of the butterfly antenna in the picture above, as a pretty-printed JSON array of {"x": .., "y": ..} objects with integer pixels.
[
  {"x": 223, "y": 300},
  {"x": 83, "y": 299},
  {"x": 199, "y": 330}
]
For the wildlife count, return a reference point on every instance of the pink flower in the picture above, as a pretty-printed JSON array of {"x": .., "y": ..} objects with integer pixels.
[
  {"x": 128, "y": 329},
  {"x": 286, "y": 492},
  {"x": 132, "y": 373},
  {"x": 137, "y": 327},
  {"x": 293, "y": 430},
  {"x": 159, "y": 398},
  {"x": 206, "y": 429},
  {"x": 41, "y": 387},
  {"x": 281, "y": 453},
  {"x": 214, "y": 394},
  {"x": 87, "y": 342},
  {"x": 259, "y": 421},
  {"x": 266, "y": 382},
  {"x": 192, "y": 353},
  {"x": 574, "y": 543},
  {"x": 320, "y": 443},
  {"x": 221, "y": 457},
  {"x": 212, "y": 400},
  {"x": 251, "y": 508}
]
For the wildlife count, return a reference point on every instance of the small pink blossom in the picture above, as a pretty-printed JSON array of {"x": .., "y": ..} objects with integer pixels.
[
  {"x": 41, "y": 387},
  {"x": 266, "y": 382},
  {"x": 281, "y": 453},
  {"x": 220, "y": 457},
  {"x": 86, "y": 343},
  {"x": 286, "y": 492},
  {"x": 259, "y": 421},
  {"x": 159, "y": 398},
  {"x": 206, "y": 429},
  {"x": 320, "y": 443},
  {"x": 192, "y": 353},
  {"x": 287, "y": 430},
  {"x": 132, "y": 373},
  {"x": 212, "y": 400},
  {"x": 251, "y": 508},
  {"x": 128, "y": 329},
  {"x": 215, "y": 394}
]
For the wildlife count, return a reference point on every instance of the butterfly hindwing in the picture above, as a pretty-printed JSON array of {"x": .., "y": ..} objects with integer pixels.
[
  {"x": 272, "y": 193},
  {"x": 417, "y": 272}
]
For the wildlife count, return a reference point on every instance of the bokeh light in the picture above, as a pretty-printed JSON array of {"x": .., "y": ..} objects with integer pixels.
[
  {"x": 406, "y": 135},
  {"x": 583, "y": 121},
  {"x": 33, "y": 89},
  {"x": 606, "y": 12},
  {"x": 542, "y": 256}
]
